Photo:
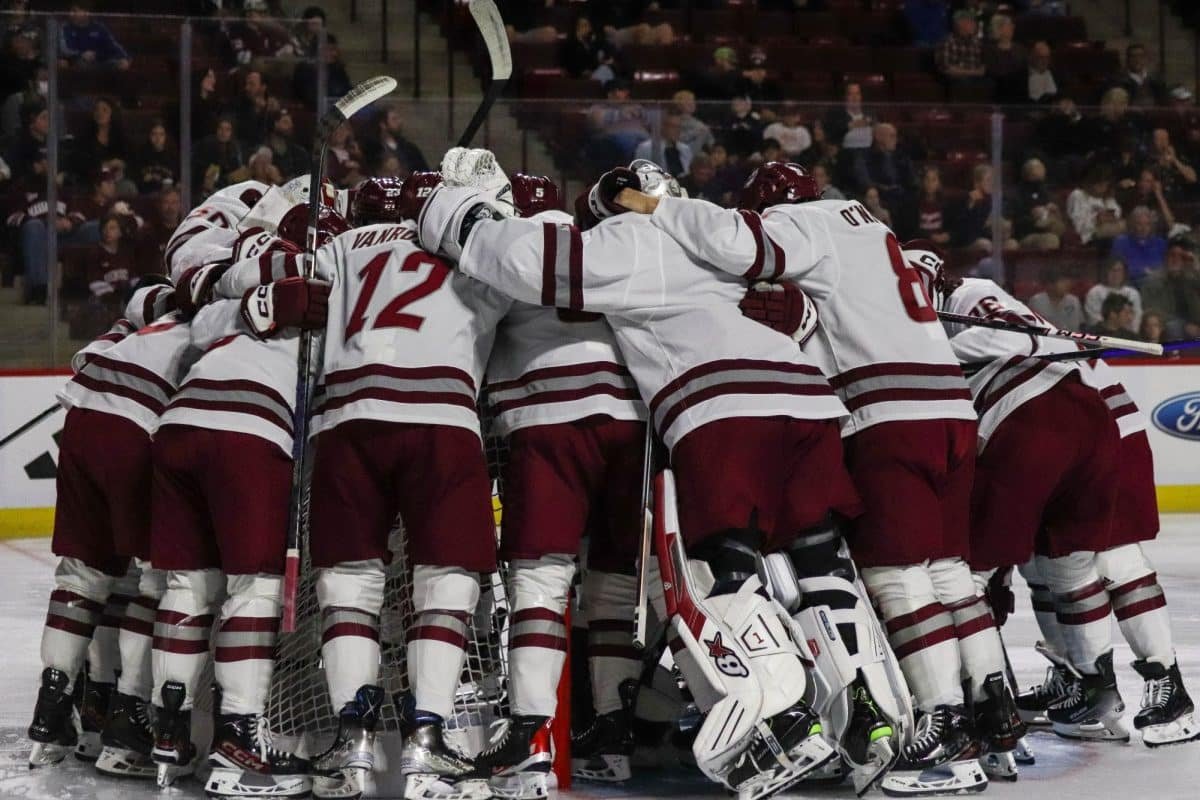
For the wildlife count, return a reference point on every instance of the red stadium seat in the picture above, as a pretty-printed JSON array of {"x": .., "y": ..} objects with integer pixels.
[{"x": 917, "y": 87}]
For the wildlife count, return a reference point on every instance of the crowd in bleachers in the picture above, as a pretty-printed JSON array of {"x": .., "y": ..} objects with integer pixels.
[{"x": 891, "y": 102}]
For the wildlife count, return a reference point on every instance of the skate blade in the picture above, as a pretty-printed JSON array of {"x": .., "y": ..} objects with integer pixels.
[
  {"x": 957, "y": 777},
  {"x": 1024, "y": 755},
  {"x": 433, "y": 787},
  {"x": 345, "y": 784},
  {"x": 1034, "y": 719},
  {"x": 832, "y": 773},
  {"x": 125, "y": 764},
  {"x": 169, "y": 773},
  {"x": 522, "y": 786},
  {"x": 881, "y": 757},
  {"x": 89, "y": 746},
  {"x": 812, "y": 753},
  {"x": 225, "y": 782},
  {"x": 1110, "y": 730},
  {"x": 999, "y": 766},
  {"x": 1182, "y": 730},
  {"x": 605, "y": 767},
  {"x": 44, "y": 754}
]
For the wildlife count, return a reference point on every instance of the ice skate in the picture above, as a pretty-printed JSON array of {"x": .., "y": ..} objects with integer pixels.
[
  {"x": 1167, "y": 715},
  {"x": 53, "y": 729},
  {"x": 1093, "y": 706},
  {"x": 93, "y": 713},
  {"x": 340, "y": 772},
  {"x": 870, "y": 744},
  {"x": 433, "y": 770},
  {"x": 173, "y": 750},
  {"x": 246, "y": 762},
  {"x": 128, "y": 738},
  {"x": 1033, "y": 703},
  {"x": 942, "y": 758},
  {"x": 517, "y": 764},
  {"x": 1000, "y": 729},
  {"x": 786, "y": 748},
  {"x": 603, "y": 750},
  {"x": 1023, "y": 754}
]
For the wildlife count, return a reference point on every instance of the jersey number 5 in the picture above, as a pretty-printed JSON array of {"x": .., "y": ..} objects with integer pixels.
[
  {"x": 912, "y": 293},
  {"x": 392, "y": 315}
]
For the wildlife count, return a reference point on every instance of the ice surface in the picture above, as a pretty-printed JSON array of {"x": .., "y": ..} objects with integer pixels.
[{"x": 1064, "y": 770}]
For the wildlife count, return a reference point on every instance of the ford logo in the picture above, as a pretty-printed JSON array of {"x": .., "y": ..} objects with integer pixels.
[{"x": 1179, "y": 416}]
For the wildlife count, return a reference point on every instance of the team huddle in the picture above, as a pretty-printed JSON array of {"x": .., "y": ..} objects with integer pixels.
[{"x": 848, "y": 486}]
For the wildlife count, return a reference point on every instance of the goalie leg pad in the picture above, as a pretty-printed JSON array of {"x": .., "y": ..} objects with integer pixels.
[
  {"x": 979, "y": 644},
  {"x": 181, "y": 630},
  {"x": 444, "y": 598},
  {"x": 537, "y": 636},
  {"x": 350, "y": 596},
  {"x": 612, "y": 658},
  {"x": 137, "y": 632},
  {"x": 1138, "y": 602},
  {"x": 1081, "y": 605},
  {"x": 247, "y": 631}
]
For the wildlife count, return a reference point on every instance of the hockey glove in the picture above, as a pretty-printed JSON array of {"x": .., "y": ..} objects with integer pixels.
[
  {"x": 602, "y": 199},
  {"x": 289, "y": 303},
  {"x": 1000, "y": 595},
  {"x": 782, "y": 307},
  {"x": 195, "y": 287}
]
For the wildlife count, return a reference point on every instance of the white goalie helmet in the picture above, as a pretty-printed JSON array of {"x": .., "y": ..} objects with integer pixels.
[{"x": 655, "y": 181}]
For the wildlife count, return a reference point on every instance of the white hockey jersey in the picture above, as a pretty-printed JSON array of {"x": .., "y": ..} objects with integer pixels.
[
  {"x": 220, "y": 212},
  {"x": 1129, "y": 418},
  {"x": 879, "y": 341},
  {"x": 407, "y": 339},
  {"x": 676, "y": 320},
  {"x": 552, "y": 366}
]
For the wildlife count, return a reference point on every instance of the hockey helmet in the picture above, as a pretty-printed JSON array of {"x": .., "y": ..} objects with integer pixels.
[
  {"x": 377, "y": 200},
  {"x": 533, "y": 194},
  {"x": 776, "y": 183},
  {"x": 297, "y": 190},
  {"x": 294, "y": 225},
  {"x": 416, "y": 190},
  {"x": 655, "y": 180}
]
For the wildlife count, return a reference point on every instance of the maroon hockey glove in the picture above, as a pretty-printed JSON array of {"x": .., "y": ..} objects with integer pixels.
[
  {"x": 782, "y": 307},
  {"x": 1000, "y": 595},
  {"x": 195, "y": 286},
  {"x": 289, "y": 303},
  {"x": 602, "y": 198}
]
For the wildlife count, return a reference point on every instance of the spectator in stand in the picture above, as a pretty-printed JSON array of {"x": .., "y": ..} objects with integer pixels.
[
  {"x": 111, "y": 263},
  {"x": 287, "y": 155},
  {"x": 1174, "y": 291},
  {"x": 261, "y": 167},
  {"x": 931, "y": 208},
  {"x": 1144, "y": 89},
  {"x": 822, "y": 149},
  {"x": 1056, "y": 303},
  {"x": 29, "y": 218},
  {"x": 256, "y": 37},
  {"x": 927, "y": 21},
  {"x": 1103, "y": 134},
  {"x": 1141, "y": 250},
  {"x": 207, "y": 104},
  {"x": 820, "y": 173},
  {"x": 850, "y": 126},
  {"x": 762, "y": 90},
  {"x": 157, "y": 161},
  {"x": 872, "y": 201},
  {"x": 974, "y": 229},
  {"x": 699, "y": 180},
  {"x": 887, "y": 169},
  {"x": 960, "y": 55},
  {"x": 390, "y": 167},
  {"x": 741, "y": 130},
  {"x": 18, "y": 21},
  {"x": 617, "y": 126},
  {"x": 730, "y": 176},
  {"x": 789, "y": 131},
  {"x": 84, "y": 42},
  {"x": 1153, "y": 328},
  {"x": 1114, "y": 279},
  {"x": 217, "y": 158},
  {"x": 34, "y": 94},
  {"x": 1039, "y": 85},
  {"x": 1127, "y": 166},
  {"x": 102, "y": 202},
  {"x": 1173, "y": 173},
  {"x": 388, "y": 140},
  {"x": 1059, "y": 133},
  {"x": 1004, "y": 60},
  {"x": 666, "y": 149},
  {"x": 1116, "y": 318},
  {"x": 720, "y": 81},
  {"x": 19, "y": 64},
  {"x": 344, "y": 166},
  {"x": 1037, "y": 220},
  {"x": 624, "y": 22},
  {"x": 102, "y": 140},
  {"x": 253, "y": 108},
  {"x": 1184, "y": 116},
  {"x": 586, "y": 53},
  {"x": 337, "y": 80},
  {"x": 152, "y": 238},
  {"x": 692, "y": 131},
  {"x": 30, "y": 146},
  {"x": 769, "y": 150},
  {"x": 306, "y": 39},
  {"x": 1093, "y": 210},
  {"x": 1147, "y": 191}
]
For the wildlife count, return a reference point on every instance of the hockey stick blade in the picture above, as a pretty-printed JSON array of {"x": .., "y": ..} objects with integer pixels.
[
  {"x": 1152, "y": 348},
  {"x": 495, "y": 38},
  {"x": 364, "y": 94}
]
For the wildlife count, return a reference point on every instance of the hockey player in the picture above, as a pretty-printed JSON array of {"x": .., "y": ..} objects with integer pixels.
[
  {"x": 723, "y": 392},
  {"x": 122, "y": 381},
  {"x": 222, "y": 211},
  {"x": 910, "y": 447},
  {"x": 1044, "y": 494},
  {"x": 222, "y": 477}
]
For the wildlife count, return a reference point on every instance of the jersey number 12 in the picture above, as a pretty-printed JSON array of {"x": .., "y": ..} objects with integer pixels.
[{"x": 392, "y": 314}]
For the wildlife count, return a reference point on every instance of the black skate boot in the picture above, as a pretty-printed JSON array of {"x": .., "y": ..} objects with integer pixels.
[
  {"x": 1033, "y": 703},
  {"x": 602, "y": 751},
  {"x": 173, "y": 750},
  {"x": 1000, "y": 728},
  {"x": 1092, "y": 708},
  {"x": 517, "y": 765},
  {"x": 53, "y": 729},
  {"x": 432, "y": 769},
  {"x": 128, "y": 739},
  {"x": 870, "y": 742},
  {"x": 793, "y": 748},
  {"x": 942, "y": 758},
  {"x": 245, "y": 760},
  {"x": 1166, "y": 716},
  {"x": 340, "y": 772},
  {"x": 93, "y": 714}
]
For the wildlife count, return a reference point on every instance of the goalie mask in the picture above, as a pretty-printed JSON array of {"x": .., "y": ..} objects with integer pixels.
[
  {"x": 656, "y": 181},
  {"x": 294, "y": 225},
  {"x": 533, "y": 194},
  {"x": 777, "y": 183},
  {"x": 377, "y": 200},
  {"x": 927, "y": 259}
]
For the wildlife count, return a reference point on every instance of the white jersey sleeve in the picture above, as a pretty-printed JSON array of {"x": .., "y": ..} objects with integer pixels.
[{"x": 1129, "y": 418}]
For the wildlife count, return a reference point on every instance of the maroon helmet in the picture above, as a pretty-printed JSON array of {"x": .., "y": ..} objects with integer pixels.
[
  {"x": 533, "y": 194},
  {"x": 416, "y": 191},
  {"x": 294, "y": 225},
  {"x": 377, "y": 200},
  {"x": 778, "y": 182},
  {"x": 250, "y": 197}
]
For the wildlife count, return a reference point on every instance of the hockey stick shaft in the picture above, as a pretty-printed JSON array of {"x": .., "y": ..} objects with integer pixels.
[
  {"x": 41, "y": 416},
  {"x": 641, "y": 610},
  {"x": 1106, "y": 353},
  {"x": 1054, "y": 333},
  {"x": 495, "y": 37}
]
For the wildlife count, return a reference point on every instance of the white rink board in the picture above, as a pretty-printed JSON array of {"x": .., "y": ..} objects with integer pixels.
[
  {"x": 1065, "y": 770},
  {"x": 1153, "y": 387}
]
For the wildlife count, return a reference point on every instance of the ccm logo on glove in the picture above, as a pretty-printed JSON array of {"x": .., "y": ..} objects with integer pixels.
[{"x": 288, "y": 303}]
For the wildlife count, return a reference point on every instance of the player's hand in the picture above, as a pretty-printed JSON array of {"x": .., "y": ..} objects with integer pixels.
[
  {"x": 289, "y": 303},
  {"x": 603, "y": 197},
  {"x": 1000, "y": 595},
  {"x": 782, "y": 307},
  {"x": 195, "y": 287}
]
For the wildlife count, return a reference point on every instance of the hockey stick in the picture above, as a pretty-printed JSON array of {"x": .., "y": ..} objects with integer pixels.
[
  {"x": 495, "y": 37},
  {"x": 30, "y": 424},
  {"x": 641, "y": 610},
  {"x": 971, "y": 367},
  {"x": 1055, "y": 333},
  {"x": 354, "y": 101}
]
